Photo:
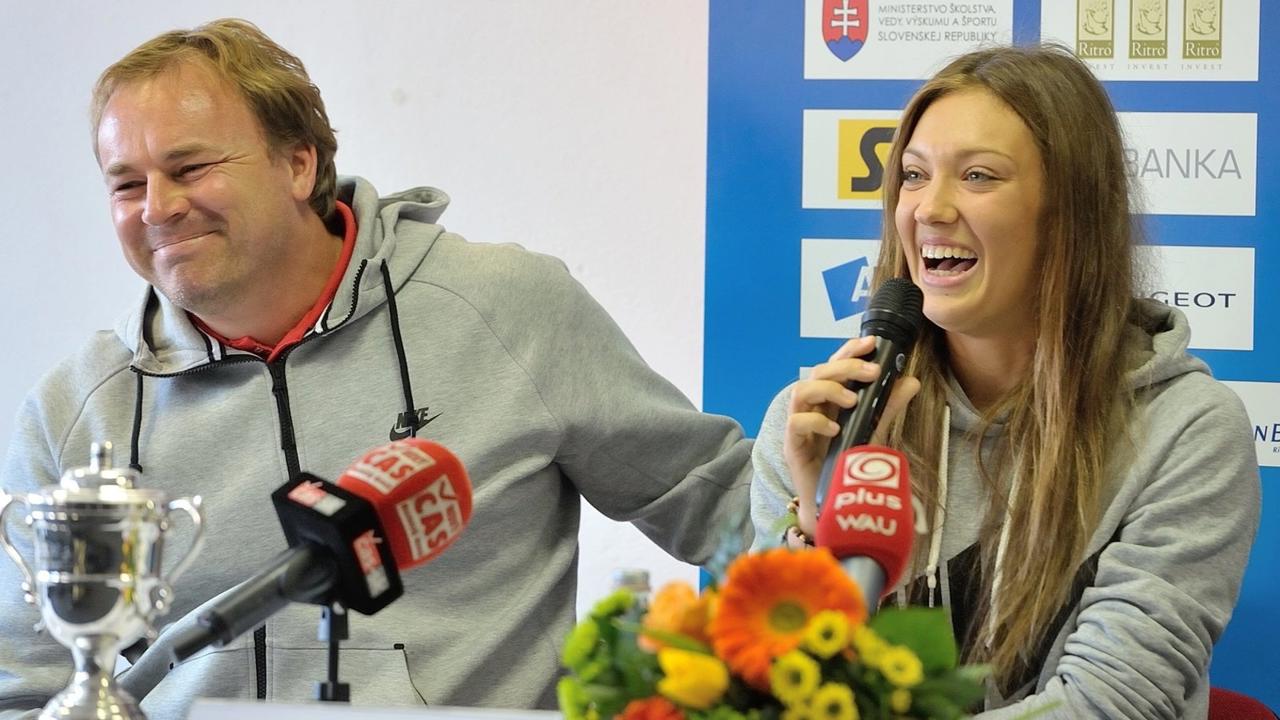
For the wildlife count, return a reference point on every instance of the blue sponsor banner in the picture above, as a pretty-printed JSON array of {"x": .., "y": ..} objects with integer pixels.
[{"x": 791, "y": 109}]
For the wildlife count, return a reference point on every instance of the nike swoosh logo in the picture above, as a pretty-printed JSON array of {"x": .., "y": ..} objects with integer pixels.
[{"x": 399, "y": 433}]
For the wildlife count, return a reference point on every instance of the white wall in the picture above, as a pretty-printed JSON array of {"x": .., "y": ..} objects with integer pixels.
[{"x": 576, "y": 128}]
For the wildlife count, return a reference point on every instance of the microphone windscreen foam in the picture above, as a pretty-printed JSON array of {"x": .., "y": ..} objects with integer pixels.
[
  {"x": 421, "y": 493},
  {"x": 868, "y": 511}
]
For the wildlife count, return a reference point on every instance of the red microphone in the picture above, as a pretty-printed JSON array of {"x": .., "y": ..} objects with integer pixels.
[
  {"x": 421, "y": 493},
  {"x": 396, "y": 508},
  {"x": 867, "y": 519}
]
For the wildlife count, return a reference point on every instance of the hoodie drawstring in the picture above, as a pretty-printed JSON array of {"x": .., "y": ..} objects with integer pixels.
[
  {"x": 940, "y": 511},
  {"x": 998, "y": 574},
  {"x": 411, "y": 415},
  {"x": 137, "y": 426},
  {"x": 410, "y": 411}
]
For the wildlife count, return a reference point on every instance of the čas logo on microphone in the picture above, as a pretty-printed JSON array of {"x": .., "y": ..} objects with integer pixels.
[
  {"x": 313, "y": 495},
  {"x": 375, "y": 573},
  {"x": 386, "y": 467},
  {"x": 431, "y": 518}
]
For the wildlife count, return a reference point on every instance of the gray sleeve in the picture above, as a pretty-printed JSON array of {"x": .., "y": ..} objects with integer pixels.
[
  {"x": 1167, "y": 584},
  {"x": 33, "y": 667},
  {"x": 632, "y": 444},
  {"x": 771, "y": 488}
]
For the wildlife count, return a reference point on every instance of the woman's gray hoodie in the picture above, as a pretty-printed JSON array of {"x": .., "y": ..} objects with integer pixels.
[{"x": 1163, "y": 568}]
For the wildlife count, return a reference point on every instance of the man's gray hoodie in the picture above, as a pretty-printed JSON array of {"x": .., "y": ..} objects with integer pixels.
[{"x": 509, "y": 364}]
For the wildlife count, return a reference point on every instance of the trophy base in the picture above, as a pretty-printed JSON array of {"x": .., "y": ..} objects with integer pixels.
[{"x": 92, "y": 698}]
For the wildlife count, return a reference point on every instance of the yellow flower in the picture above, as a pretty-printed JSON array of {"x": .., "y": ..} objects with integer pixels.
[
  {"x": 793, "y": 678},
  {"x": 580, "y": 644},
  {"x": 827, "y": 633},
  {"x": 870, "y": 646},
  {"x": 833, "y": 702},
  {"x": 900, "y": 701},
  {"x": 799, "y": 711},
  {"x": 692, "y": 679},
  {"x": 901, "y": 667}
]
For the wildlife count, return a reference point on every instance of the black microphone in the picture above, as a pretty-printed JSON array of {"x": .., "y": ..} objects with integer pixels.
[{"x": 894, "y": 317}]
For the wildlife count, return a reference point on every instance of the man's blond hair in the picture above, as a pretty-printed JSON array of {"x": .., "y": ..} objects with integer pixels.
[{"x": 271, "y": 80}]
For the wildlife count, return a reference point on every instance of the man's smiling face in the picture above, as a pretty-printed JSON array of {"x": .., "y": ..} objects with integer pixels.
[{"x": 203, "y": 207}]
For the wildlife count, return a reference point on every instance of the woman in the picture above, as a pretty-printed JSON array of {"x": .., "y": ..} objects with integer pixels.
[{"x": 1091, "y": 491}]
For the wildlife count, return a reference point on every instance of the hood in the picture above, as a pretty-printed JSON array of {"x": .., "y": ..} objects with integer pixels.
[
  {"x": 1159, "y": 336},
  {"x": 398, "y": 230}
]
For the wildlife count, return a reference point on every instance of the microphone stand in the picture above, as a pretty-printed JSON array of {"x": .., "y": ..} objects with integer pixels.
[{"x": 333, "y": 629}]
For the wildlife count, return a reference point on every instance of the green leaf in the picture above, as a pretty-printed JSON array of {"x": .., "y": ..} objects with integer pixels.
[
  {"x": 637, "y": 671},
  {"x": 973, "y": 673},
  {"x": 674, "y": 639},
  {"x": 608, "y": 701},
  {"x": 958, "y": 690},
  {"x": 936, "y": 707},
  {"x": 926, "y": 631}
]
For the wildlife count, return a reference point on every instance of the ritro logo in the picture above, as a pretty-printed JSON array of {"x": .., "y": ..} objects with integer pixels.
[
  {"x": 1095, "y": 29},
  {"x": 1202, "y": 30},
  {"x": 1149, "y": 29}
]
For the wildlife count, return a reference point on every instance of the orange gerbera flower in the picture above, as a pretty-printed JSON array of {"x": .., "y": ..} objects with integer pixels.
[
  {"x": 677, "y": 608},
  {"x": 766, "y": 602},
  {"x": 651, "y": 708}
]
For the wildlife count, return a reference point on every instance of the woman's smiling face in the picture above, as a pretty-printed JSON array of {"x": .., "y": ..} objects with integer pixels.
[{"x": 969, "y": 215}]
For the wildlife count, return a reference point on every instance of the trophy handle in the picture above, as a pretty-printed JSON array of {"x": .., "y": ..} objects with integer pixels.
[
  {"x": 192, "y": 508},
  {"x": 7, "y": 503}
]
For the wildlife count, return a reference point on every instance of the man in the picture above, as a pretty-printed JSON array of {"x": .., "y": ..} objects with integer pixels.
[{"x": 293, "y": 320}]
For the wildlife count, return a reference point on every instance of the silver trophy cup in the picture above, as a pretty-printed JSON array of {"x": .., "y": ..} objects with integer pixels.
[{"x": 96, "y": 579}]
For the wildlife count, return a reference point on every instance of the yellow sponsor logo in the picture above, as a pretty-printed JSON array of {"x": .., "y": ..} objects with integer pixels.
[
  {"x": 1095, "y": 29},
  {"x": 1202, "y": 30},
  {"x": 862, "y": 146},
  {"x": 1149, "y": 29}
]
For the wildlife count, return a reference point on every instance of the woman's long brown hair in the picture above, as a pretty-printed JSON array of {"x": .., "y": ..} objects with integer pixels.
[{"x": 1064, "y": 421}]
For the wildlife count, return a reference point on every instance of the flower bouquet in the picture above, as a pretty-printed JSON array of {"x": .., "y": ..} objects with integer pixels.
[{"x": 784, "y": 636}]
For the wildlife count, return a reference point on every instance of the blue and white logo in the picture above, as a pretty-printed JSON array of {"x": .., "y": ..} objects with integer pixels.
[
  {"x": 835, "y": 285},
  {"x": 848, "y": 287}
]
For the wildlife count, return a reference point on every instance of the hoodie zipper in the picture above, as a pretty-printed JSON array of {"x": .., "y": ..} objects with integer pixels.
[{"x": 289, "y": 444}]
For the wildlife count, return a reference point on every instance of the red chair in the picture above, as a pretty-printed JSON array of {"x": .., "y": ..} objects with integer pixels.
[{"x": 1230, "y": 705}]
